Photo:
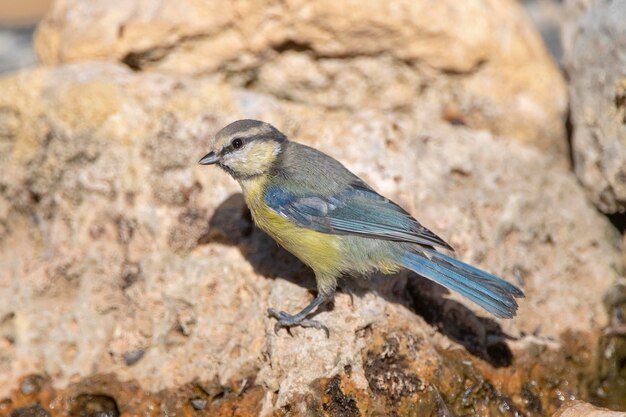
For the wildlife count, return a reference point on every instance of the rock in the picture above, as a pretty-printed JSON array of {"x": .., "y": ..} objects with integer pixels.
[
  {"x": 583, "y": 409},
  {"x": 31, "y": 384},
  {"x": 596, "y": 64},
  {"x": 99, "y": 171},
  {"x": 88, "y": 405},
  {"x": 198, "y": 403},
  {"x": 32, "y": 411},
  {"x": 572, "y": 12},
  {"x": 132, "y": 357},
  {"x": 479, "y": 63}
]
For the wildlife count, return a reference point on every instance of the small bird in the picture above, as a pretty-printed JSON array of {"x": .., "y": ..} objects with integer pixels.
[{"x": 337, "y": 224}]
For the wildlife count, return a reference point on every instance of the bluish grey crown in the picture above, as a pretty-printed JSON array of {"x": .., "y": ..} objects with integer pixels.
[{"x": 252, "y": 129}]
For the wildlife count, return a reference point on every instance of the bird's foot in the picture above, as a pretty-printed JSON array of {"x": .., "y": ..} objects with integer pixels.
[{"x": 287, "y": 321}]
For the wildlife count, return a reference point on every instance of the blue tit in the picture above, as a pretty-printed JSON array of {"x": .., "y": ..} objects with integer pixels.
[{"x": 335, "y": 223}]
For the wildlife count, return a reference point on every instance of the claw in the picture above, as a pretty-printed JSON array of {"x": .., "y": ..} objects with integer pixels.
[
  {"x": 277, "y": 327},
  {"x": 286, "y": 321},
  {"x": 315, "y": 324}
]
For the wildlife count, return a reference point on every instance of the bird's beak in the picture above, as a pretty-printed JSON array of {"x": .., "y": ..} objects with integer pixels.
[{"x": 209, "y": 159}]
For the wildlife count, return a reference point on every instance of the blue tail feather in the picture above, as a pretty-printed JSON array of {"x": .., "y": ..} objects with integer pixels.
[{"x": 487, "y": 290}]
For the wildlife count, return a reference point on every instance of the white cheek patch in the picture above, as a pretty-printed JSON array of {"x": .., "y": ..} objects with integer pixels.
[
  {"x": 252, "y": 159},
  {"x": 238, "y": 158}
]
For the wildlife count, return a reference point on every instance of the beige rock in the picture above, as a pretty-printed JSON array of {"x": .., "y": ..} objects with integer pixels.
[
  {"x": 572, "y": 11},
  {"x": 596, "y": 64},
  {"x": 119, "y": 254},
  {"x": 583, "y": 409},
  {"x": 479, "y": 62}
]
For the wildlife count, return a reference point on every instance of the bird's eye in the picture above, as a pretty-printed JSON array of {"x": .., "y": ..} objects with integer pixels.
[{"x": 237, "y": 143}]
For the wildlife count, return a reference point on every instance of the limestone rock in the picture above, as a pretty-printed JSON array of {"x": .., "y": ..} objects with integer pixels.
[
  {"x": 583, "y": 409},
  {"x": 572, "y": 11},
  {"x": 479, "y": 62},
  {"x": 596, "y": 64},
  {"x": 120, "y": 254}
]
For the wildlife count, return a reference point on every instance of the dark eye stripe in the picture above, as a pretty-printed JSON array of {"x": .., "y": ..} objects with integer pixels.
[
  {"x": 244, "y": 141},
  {"x": 230, "y": 148}
]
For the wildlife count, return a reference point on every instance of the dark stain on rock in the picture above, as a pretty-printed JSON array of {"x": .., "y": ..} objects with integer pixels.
[
  {"x": 608, "y": 388},
  {"x": 137, "y": 60},
  {"x": 620, "y": 99},
  {"x": 537, "y": 384},
  {"x": 339, "y": 404},
  {"x": 531, "y": 399},
  {"x": 30, "y": 411},
  {"x": 130, "y": 274},
  {"x": 484, "y": 394},
  {"x": 103, "y": 395},
  {"x": 7, "y": 327},
  {"x": 94, "y": 405},
  {"x": 387, "y": 375},
  {"x": 31, "y": 384}
]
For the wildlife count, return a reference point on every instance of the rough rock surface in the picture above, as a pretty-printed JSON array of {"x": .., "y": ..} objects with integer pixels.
[
  {"x": 583, "y": 409},
  {"x": 572, "y": 11},
  {"x": 477, "y": 62},
  {"x": 132, "y": 281},
  {"x": 596, "y": 64},
  {"x": 119, "y": 254}
]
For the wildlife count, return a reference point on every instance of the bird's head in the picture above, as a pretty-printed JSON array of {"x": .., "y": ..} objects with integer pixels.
[{"x": 245, "y": 148}]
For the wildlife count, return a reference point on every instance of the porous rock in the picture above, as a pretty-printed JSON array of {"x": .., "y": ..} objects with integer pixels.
[
  {"x": 100, "y": 176},
  {"x": 596, "y": 65},
  {"x": 583, "y": 409},
  {"x": 476, "y": 62}
]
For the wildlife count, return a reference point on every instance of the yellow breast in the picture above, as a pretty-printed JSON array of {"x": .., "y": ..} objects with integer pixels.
[{"x": 320, "y": 251}]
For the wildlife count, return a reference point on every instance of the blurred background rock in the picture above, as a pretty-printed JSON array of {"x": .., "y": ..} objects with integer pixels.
[{"x": 18, "y": 20}]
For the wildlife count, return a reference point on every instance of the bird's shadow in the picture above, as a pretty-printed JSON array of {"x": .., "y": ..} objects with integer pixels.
[{"x": 483, "y": 337}]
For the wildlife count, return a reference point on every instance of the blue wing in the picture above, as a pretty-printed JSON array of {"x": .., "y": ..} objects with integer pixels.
[{"x": 356, "y": 210}]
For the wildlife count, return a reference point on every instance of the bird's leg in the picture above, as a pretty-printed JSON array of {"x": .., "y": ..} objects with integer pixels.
[{"x": 299, "y": 319}]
